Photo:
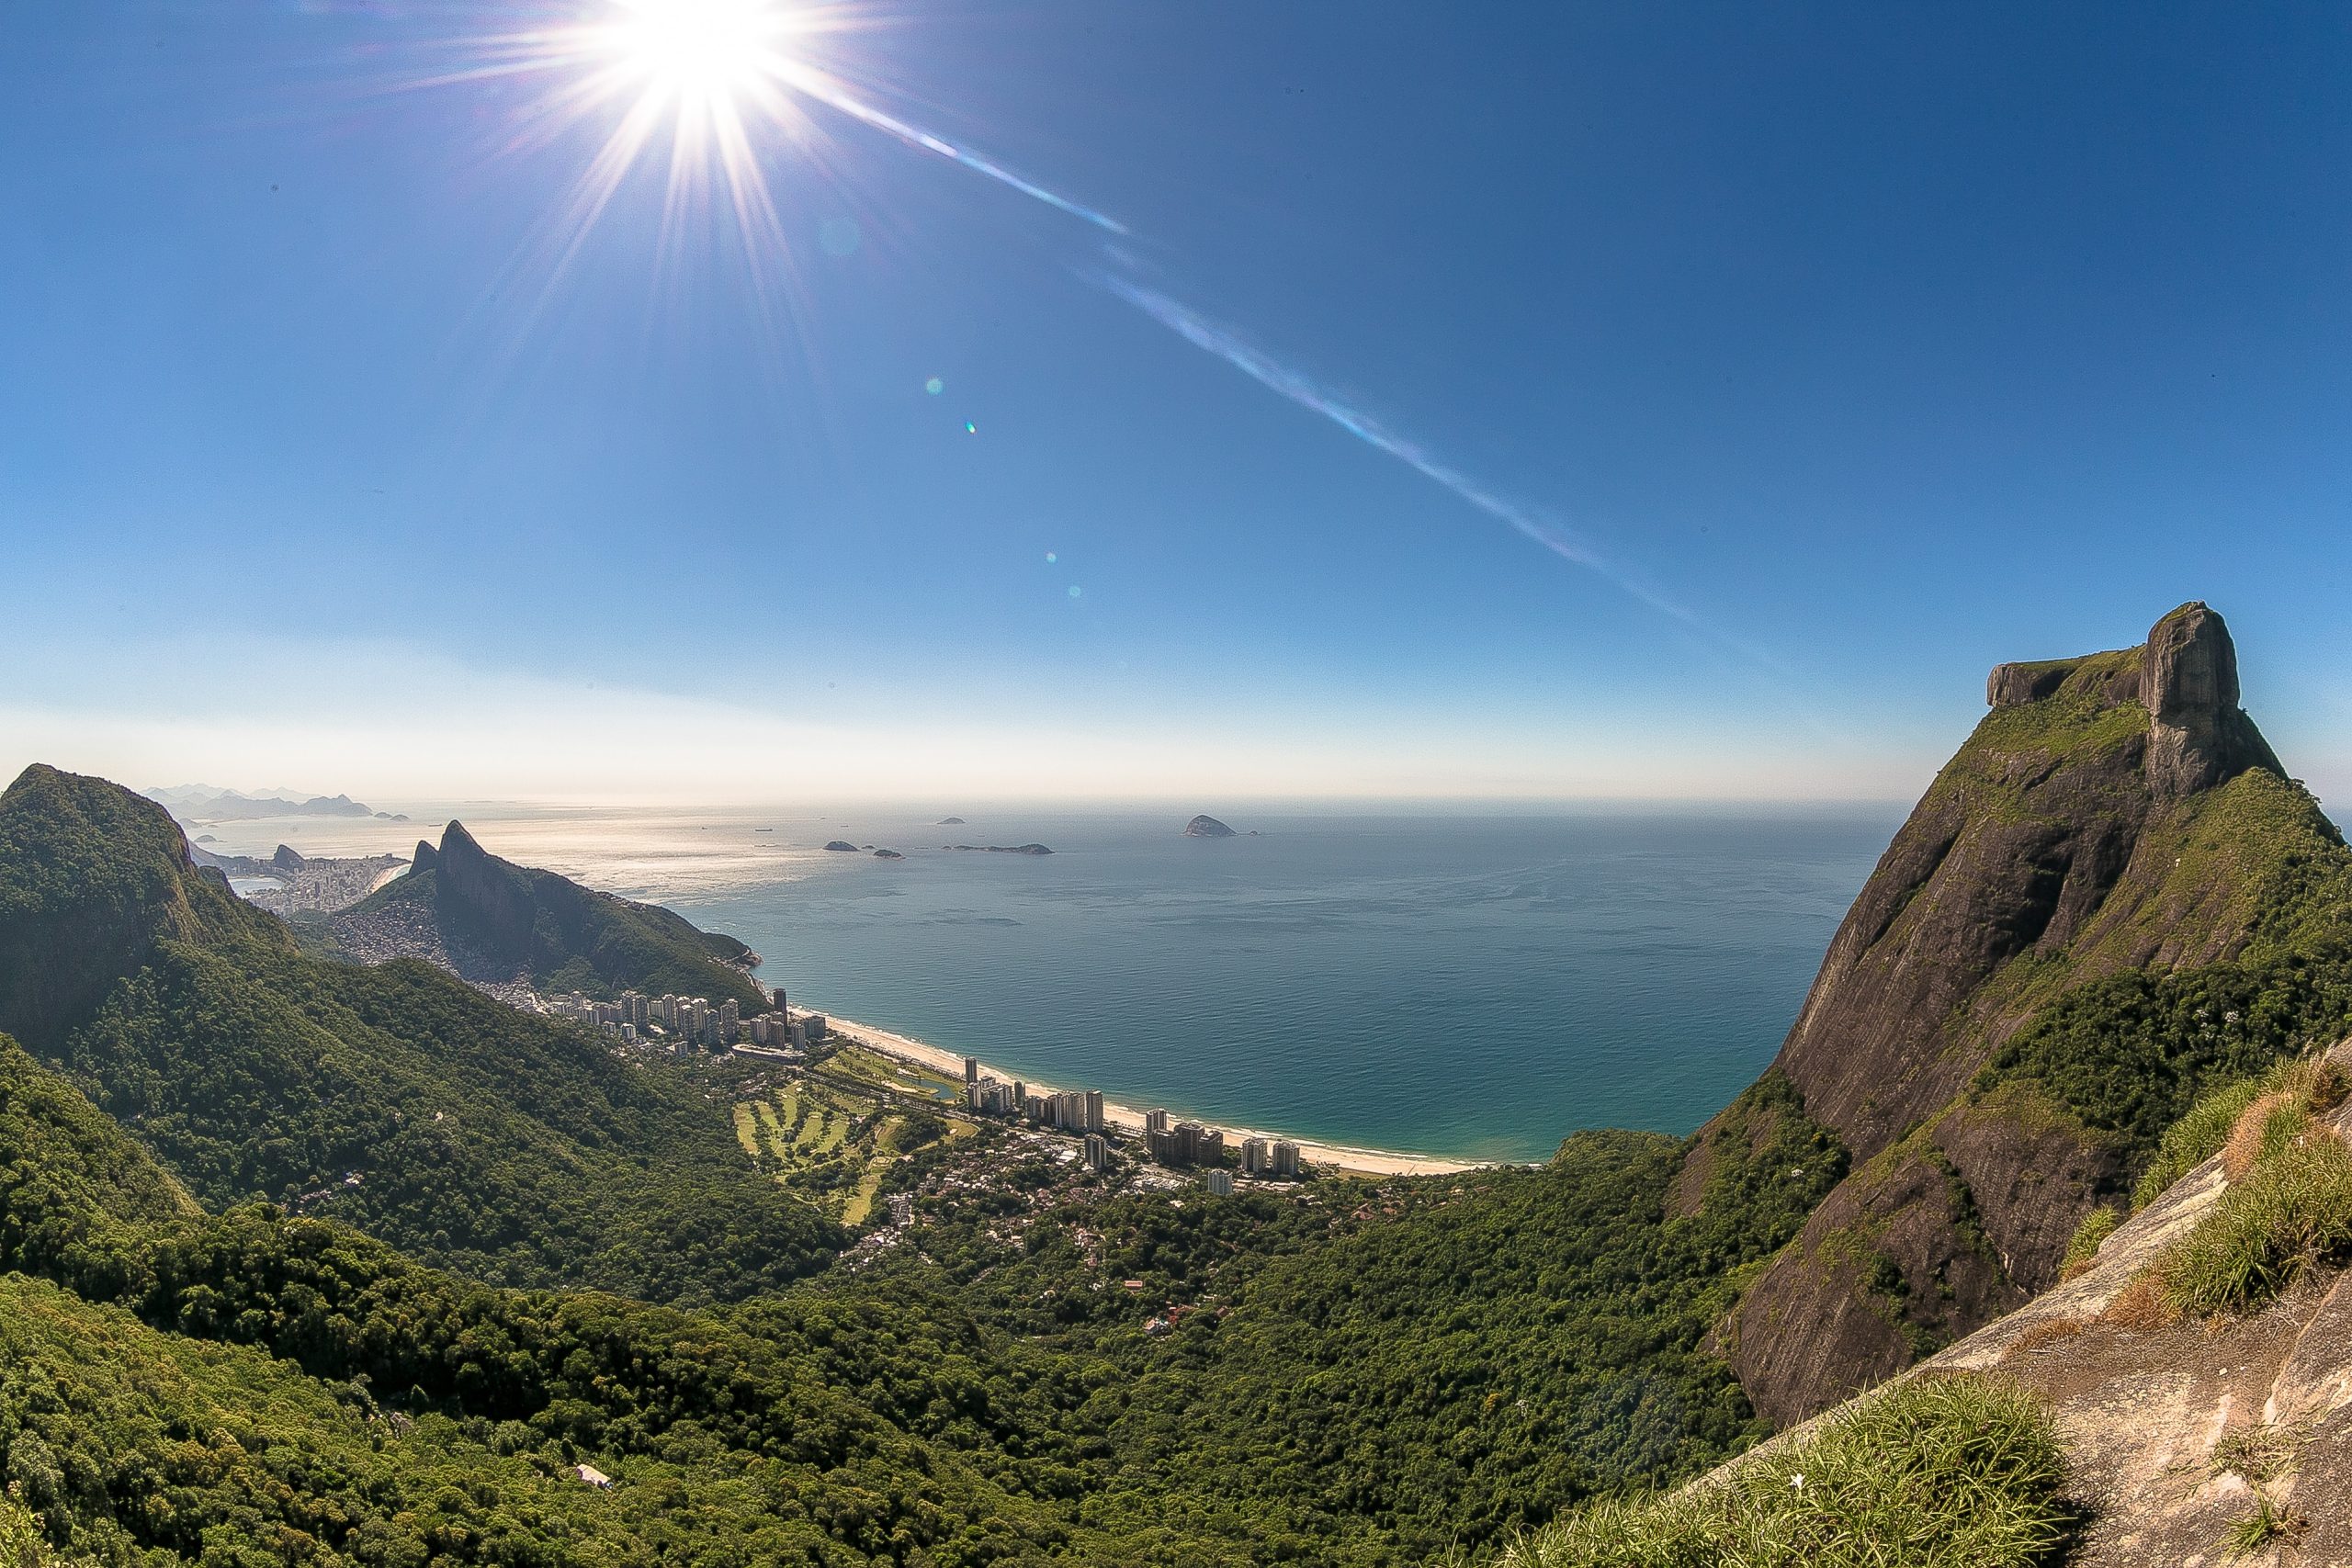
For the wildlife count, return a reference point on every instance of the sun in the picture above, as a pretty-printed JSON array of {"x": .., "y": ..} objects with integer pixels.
[
  {"x": 724, "y": 86},
  {"x": 700, "y": 58}
]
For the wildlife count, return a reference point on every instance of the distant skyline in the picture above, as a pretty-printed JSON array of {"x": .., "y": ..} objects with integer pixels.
[{"x": 1481, "y": 402}]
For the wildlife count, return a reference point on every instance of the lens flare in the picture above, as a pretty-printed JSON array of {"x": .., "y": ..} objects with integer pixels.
[{"x": 728, "y": 84}]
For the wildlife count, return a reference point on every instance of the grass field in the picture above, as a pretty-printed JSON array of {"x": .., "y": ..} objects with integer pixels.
[
  {"x": 828, "y": 1142},
  {"x": 773, "y": 1128},
  {"x": 877, "y": 1166}
]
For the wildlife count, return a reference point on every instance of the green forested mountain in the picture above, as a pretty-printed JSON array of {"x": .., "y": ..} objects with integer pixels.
[
  {"x": 2110, "y": 898},
  {"x": 254, "y": 1388},
  {"x": 498, "y": 920},
  {"x": 394, "y": 1098},
  {"x": 1525, "y": 1320},
  {"x": 1381, "y": 1373}
]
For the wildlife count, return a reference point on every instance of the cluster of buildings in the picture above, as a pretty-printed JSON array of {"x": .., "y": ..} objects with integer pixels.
[
  {"x": 1072, "y": 1110},
  {"x": 1189, "y": 1143},
  {"x": 1272, "y": 1158},
  {"x": 1184, "y": 1143},
  {"x": 684, "y": 1022},
  {"x": 1170, "y": 1143}
]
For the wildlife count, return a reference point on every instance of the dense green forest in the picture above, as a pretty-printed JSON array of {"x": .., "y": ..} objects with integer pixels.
[
  {"x": 1378, "y": 1374},
  {"x": 407, "y": 1367},
  {"x": 506, "y": 1145},
  {"x": 1526, "y": 1321}
]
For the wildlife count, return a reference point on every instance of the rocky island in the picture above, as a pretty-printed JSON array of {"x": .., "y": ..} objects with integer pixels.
[
  {"x": 1208, "y": 828},
  {"x": 1000, "y": 849},
  {"x": 842, "y": 847}
]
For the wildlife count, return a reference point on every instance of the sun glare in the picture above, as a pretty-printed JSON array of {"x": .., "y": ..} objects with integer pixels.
[
  {"x": 725, "y": 86},
  {"x": 701, "y": 56}
]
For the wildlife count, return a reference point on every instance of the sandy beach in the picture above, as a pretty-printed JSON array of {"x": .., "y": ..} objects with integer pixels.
[{"x": 1128, "y": 1119}]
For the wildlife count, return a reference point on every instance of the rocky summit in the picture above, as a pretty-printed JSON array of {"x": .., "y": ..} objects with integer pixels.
[{"x": 2116, "y": 818}]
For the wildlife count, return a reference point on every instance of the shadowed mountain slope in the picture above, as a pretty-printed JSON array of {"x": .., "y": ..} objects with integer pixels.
[
  {"x": 498, "y": 920},
  {"x": 396, "y": 1097},
  {"x": 2037, "y": 978}
]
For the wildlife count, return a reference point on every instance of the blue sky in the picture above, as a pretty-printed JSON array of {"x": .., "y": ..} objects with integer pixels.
[{"x": 1862, "y": 346}]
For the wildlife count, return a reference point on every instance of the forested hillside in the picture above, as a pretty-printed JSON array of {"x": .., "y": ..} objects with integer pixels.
[
  {"x": 1535, "y": 1321},
  {"x": 394, "y": 1098},
  {"x": 1378, "y": 1374},
  {"x": 1358, "y": 1375}
]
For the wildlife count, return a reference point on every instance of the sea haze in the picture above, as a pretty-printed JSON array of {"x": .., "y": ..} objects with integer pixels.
[{"x": 1464, "y": 985}]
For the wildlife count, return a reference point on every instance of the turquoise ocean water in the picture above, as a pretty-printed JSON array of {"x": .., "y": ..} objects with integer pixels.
[{"x": 1471, "y": 986}]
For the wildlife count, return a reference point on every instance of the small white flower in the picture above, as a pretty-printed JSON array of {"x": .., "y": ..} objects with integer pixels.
[{"x": 1796, "y": 1483}]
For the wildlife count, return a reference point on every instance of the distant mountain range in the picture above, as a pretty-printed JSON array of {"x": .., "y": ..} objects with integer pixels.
[{"x": 208, "y": 803}]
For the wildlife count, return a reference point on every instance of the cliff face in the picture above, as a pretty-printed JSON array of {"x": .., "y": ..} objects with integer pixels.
[
  {"x": 489, "y": 898},
  {"x": 2113, "y": 813},
  {"x": 2180, "y": 1431}
]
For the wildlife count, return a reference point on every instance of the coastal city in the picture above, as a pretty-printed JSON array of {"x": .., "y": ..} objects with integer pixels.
[{"x": 798, "y": 1038}]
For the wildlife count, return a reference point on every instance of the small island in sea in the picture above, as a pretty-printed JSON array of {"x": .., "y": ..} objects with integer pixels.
[
  {"x": 949, "y": 822},
  {"x": 888, "y": 854},
  {"x": 1000, "y": 849},
  {"x": 845, "y": 847},
  {"x": 1208, "y": 828}
]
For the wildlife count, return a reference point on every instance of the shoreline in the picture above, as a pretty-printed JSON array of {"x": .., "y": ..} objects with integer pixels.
[{"x": 1128, "y": 1119}]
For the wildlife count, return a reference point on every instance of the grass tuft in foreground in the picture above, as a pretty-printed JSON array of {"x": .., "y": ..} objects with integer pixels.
[
  {"x": 2208, "y": 1127},
  {"x": 2288, "y": 1208},
  {"x": 2268, "y": 1526},
  {"x": 2195, "y": 1138},
  {"x": 1944, "y": 1471}
]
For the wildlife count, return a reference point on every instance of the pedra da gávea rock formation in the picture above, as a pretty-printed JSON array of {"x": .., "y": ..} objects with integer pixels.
[{"x": 2114, "y": 812}]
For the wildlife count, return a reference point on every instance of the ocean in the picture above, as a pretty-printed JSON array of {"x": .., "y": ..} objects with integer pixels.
[
  {"x": 1468, "y": 986},
  {"x": 1471, "y": 987}
]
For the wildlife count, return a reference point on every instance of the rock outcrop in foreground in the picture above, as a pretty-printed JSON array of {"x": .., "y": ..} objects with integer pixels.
[
  {"x": 2115, "y": 815},
  {"x": 2179, "y": 1429}
]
